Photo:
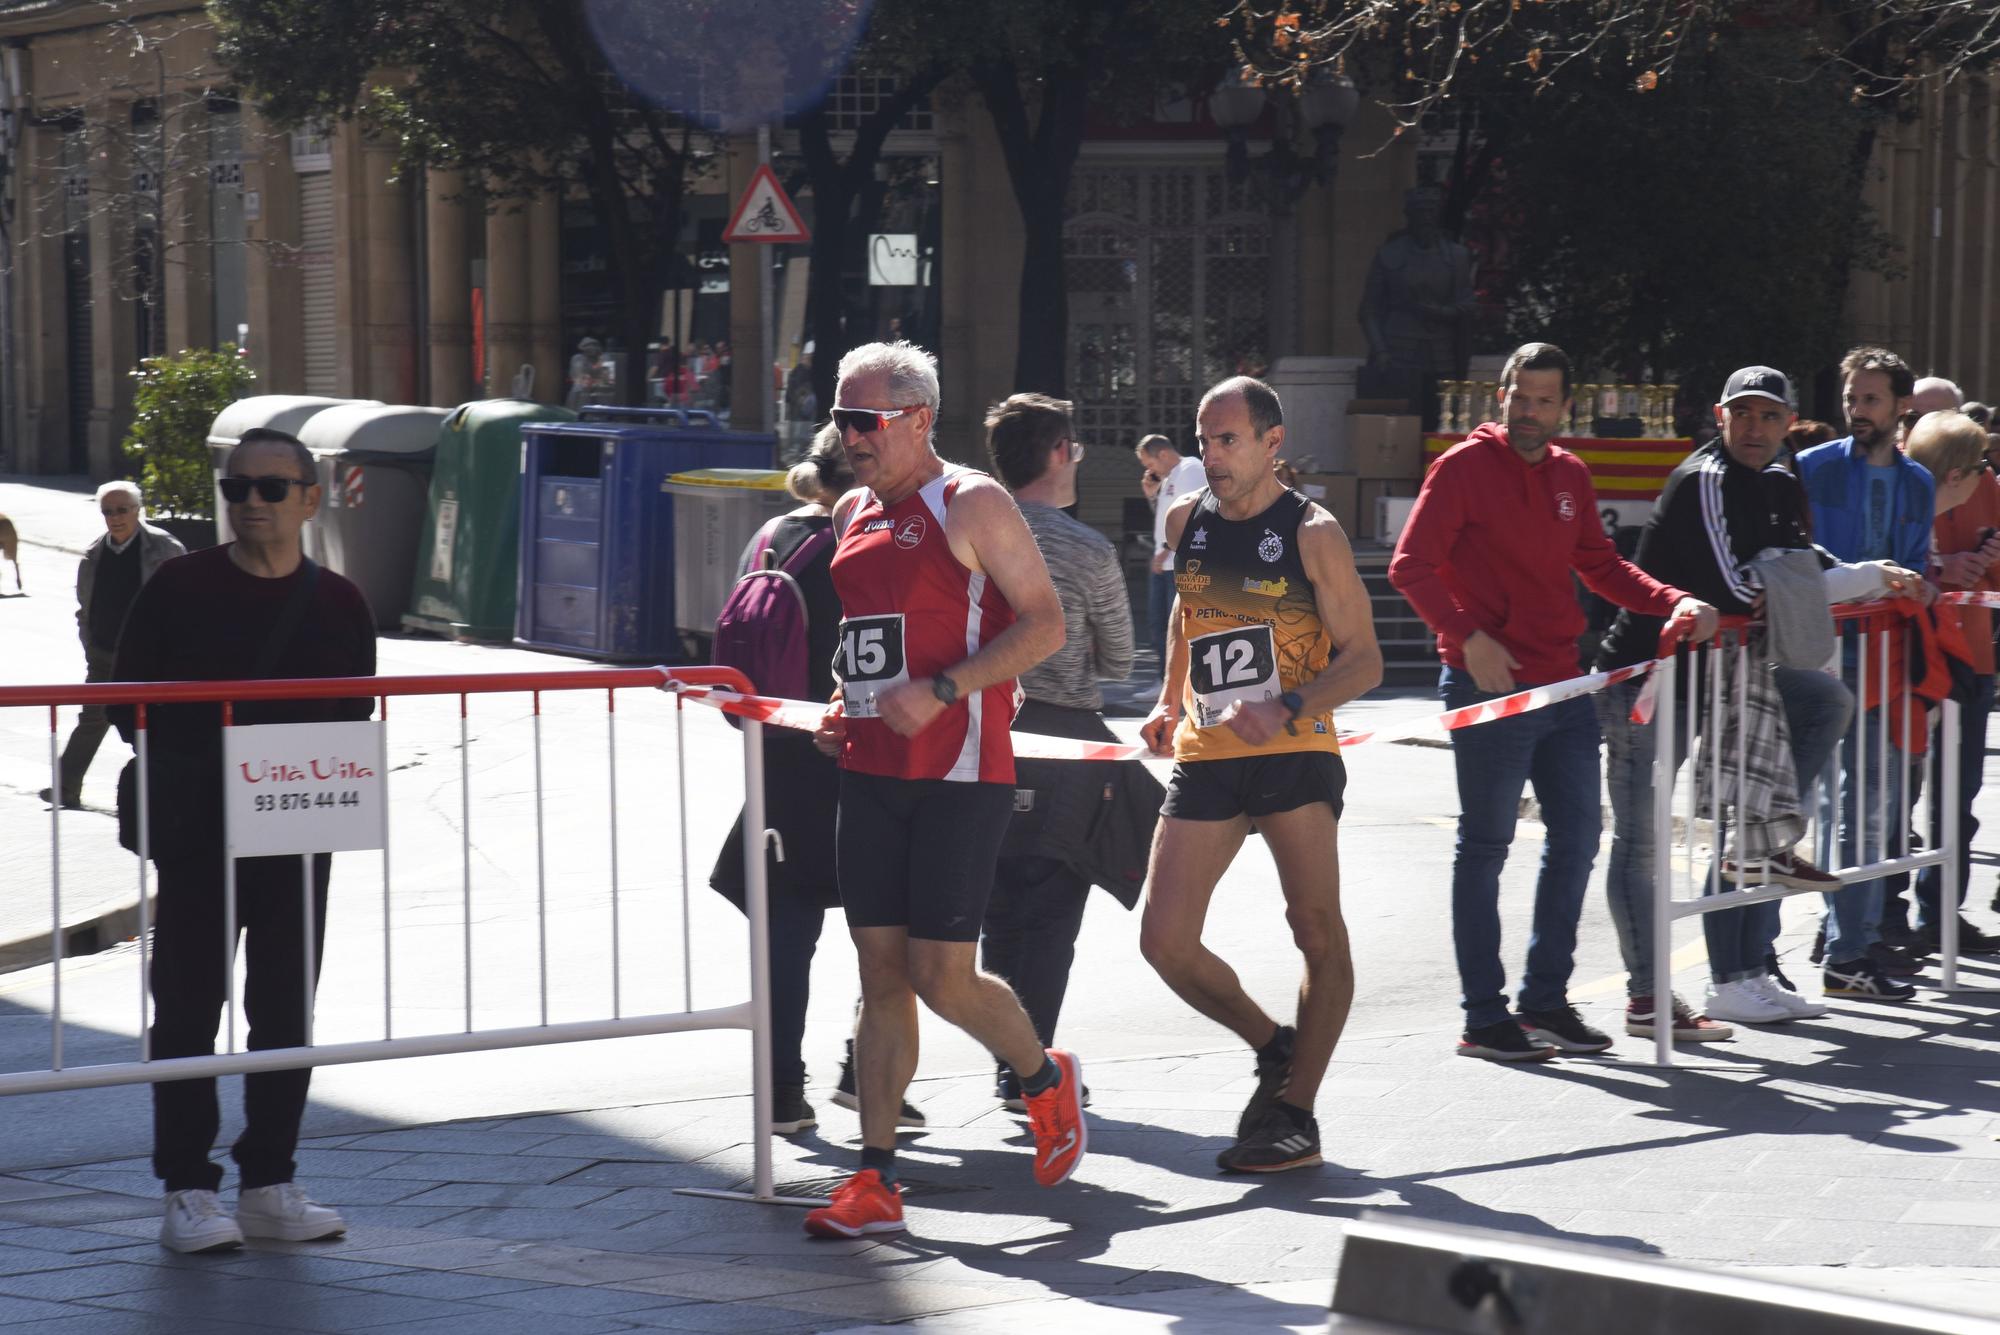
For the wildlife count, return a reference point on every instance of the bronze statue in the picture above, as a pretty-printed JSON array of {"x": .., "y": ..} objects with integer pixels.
[{"x": 1417, "y": 308}]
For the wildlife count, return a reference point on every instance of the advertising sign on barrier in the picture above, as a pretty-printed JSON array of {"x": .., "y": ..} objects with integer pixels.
[{"x": 303, "y": 788}]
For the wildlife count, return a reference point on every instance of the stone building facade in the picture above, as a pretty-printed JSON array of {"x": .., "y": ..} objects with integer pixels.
[{"x": 149, "y": 210}]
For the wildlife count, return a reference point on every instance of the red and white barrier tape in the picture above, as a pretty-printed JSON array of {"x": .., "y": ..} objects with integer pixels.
[
  {"x": 1967, "y": 598},
  {"x": 804, "y": 716}
]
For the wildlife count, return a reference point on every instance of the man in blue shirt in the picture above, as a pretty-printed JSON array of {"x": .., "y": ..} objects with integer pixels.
[{"x": 1869, "y": 503}]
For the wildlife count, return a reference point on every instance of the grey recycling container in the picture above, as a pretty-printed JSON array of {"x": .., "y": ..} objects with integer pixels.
[{"x": 374, "y": 463}]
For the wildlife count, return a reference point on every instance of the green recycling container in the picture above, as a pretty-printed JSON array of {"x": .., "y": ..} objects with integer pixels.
[{"x": 469, "y": 554}]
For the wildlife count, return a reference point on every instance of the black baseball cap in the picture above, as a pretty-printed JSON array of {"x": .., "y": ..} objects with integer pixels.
[{"x": 1761, "y": 382}]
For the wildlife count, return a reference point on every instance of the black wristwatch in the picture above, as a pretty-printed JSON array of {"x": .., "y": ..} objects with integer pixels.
[
  {"x": 1294, "y": 703},
  {"x": 945, "y": 689}
]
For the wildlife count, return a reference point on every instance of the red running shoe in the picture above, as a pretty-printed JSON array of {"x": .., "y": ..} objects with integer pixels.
[
  {"x": 1057, "y": 1118},
  {"x": 862, "y": 1204}
]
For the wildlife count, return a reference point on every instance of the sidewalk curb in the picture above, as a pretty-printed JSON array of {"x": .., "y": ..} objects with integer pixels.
[{"x": 101, "y": 931}]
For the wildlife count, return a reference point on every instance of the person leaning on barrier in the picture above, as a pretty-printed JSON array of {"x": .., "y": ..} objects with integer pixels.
[
  {"x": 1869, "y": 503},
  {"x": 113, "y": 568},
  {"x": 1725, "y": 506},
  {"x": 1966, "y": 540},
  {"x": 1036, "y": 909},
  {"x": 252, "y": 608},
  {"x": 1501, "y": 520}
]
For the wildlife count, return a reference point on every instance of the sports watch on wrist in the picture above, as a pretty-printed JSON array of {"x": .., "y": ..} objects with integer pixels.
[
  {"x": 1294, "y": 703},
  {"x": 945, "y": 689}
]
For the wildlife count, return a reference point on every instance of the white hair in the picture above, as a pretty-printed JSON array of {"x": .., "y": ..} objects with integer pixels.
[
  {"x": 122, "y": 486},
  {"x": 912, "y": 373}
]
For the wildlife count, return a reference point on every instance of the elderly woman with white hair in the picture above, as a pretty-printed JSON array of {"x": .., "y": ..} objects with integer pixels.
[{"x": 113, "y": 568}]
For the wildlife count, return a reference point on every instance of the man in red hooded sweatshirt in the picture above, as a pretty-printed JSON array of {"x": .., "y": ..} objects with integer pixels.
[{"x": 1502, "y": 519}]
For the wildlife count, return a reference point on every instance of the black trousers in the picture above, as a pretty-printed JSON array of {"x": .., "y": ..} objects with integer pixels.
[
  {"x": 90, "y": 727},
  {"x": 1032, "y": 920},
  {"x": 189, "y": 992}
]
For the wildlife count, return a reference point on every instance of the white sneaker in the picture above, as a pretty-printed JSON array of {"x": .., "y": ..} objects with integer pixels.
[
  {"x": 1794, "y": 1005},
  {"x": 194, "y": 1221},
  {"x": 284, "y": 1212},
  {"x": 1744, "y": 1004}
]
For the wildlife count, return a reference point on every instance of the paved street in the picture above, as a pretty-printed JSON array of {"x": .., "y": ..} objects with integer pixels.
[{"x": 533, "y": 1190}]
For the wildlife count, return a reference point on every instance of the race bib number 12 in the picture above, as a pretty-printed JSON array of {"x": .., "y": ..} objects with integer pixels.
[
  {"x": 1231, "y": 665},
  {"x": 869, "y": 661}
]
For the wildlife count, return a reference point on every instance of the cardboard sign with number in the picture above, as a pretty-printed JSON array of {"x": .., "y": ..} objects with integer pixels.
[{"x": 303, "y": 788}]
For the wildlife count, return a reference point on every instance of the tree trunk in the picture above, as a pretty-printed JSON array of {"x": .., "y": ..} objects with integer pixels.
[
  {"x": 1041, "y": 349},
  {"x": 835, "y": 185},
  {"x": 1039, "y": 162}
]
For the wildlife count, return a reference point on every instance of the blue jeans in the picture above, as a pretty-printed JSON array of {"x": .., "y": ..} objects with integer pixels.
[
  {"x": 1159, "y": 606},
  {"x": 1817, "y": 710},
  {"x": 1556, "y": 750},
  {"x": 1629, "y": 750},
  {"x": 1971, "y": 772},
  {"x": 1854, "y": 912}
]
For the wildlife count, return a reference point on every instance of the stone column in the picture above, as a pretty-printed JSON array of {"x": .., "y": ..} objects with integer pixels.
[
  {"x": 544, "y": 281},
  {"x": 185, "y": 269},
  {"x": 508, "y": 337},
  {"x": 40, "y": 318},
  {"x": 449, "y": 277},
  {"x": 272, "y": 275},
  {"x": 112, "y": 314},
  {"x": 389, "y": 335}
]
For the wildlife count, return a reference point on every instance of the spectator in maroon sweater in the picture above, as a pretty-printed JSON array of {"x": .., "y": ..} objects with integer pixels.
[
  {"x": 252, "y": 608},
  {"x": 1502, "y": 519}
]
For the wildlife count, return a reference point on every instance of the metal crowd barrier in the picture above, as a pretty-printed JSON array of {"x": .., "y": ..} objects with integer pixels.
[
  {"x": 1864, "y": 636},
  {"x": 751, "y": 1013}
]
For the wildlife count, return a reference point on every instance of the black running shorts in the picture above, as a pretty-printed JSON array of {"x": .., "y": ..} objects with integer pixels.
[
  {"x": 919, "y": 853},
  {"x": 1255, "y": 785}
]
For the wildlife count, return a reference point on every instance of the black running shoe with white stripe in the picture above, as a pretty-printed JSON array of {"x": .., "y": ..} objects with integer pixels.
[
  {"x": 1274, "y": 1074},
  {"x": 1863, "y": 979},
  {"x": 1274, "y": 1143}
]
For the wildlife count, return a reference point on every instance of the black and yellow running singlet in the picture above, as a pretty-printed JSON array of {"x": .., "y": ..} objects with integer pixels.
[{"x": 1252, "y": 627}]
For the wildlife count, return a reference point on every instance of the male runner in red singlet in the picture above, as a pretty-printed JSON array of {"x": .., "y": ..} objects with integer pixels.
[
  {"x": 1271, "y": 632},
  {"x": 945, "y": 600}
]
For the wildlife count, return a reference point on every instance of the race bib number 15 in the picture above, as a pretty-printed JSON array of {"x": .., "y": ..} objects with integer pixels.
[
  {"x": 869, "y": 661},
  {"x": 1228, "y": 666}
]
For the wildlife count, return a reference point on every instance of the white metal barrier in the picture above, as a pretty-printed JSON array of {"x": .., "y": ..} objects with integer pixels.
[
  {"x": 751, "y": 1013},
  {"x": 1867, "y": 667}
]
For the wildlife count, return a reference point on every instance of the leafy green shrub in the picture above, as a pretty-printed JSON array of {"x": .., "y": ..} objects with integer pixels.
[{"x": 173, "y": 405}]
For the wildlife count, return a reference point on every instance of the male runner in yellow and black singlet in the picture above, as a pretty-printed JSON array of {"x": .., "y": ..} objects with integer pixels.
[{"x": 1271, "y": 632}]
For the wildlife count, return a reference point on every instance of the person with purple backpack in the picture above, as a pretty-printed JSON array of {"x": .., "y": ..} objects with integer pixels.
[{"x": 779, "y": 627}]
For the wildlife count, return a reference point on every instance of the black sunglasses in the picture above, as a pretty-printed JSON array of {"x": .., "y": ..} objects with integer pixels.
[
  {"x": 236, "y": 490},
  {"x": 865, "y": 421}
]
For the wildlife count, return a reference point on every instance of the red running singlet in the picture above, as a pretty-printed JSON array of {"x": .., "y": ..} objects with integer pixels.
[{"x": 909, "y": 609}]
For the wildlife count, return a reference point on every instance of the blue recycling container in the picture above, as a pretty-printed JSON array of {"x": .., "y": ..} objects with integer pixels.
[{"x": 597, "y": 528}]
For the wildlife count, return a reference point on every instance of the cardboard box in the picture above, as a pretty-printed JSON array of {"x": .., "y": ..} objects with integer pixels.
[
  {"x": 1389, "y": 446},
  {"x": 1338, "y": 492},
  {"x": 1370, "y": 493}
]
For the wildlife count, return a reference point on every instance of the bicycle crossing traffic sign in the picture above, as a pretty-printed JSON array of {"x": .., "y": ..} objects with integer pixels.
[{"x": 766, "y": 213}]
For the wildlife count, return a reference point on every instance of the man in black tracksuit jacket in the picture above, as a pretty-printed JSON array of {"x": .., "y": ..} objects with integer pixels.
[{"x": 1726, "y": 502}]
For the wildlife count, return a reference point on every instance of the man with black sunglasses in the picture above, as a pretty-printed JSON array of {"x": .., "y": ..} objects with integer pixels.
[
  {"x": 945, "y": 602},
  {"x": 252, "y": 608}
]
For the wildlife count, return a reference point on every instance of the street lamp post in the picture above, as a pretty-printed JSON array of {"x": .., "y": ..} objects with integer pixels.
[{"x": 1281, "y": 174}]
